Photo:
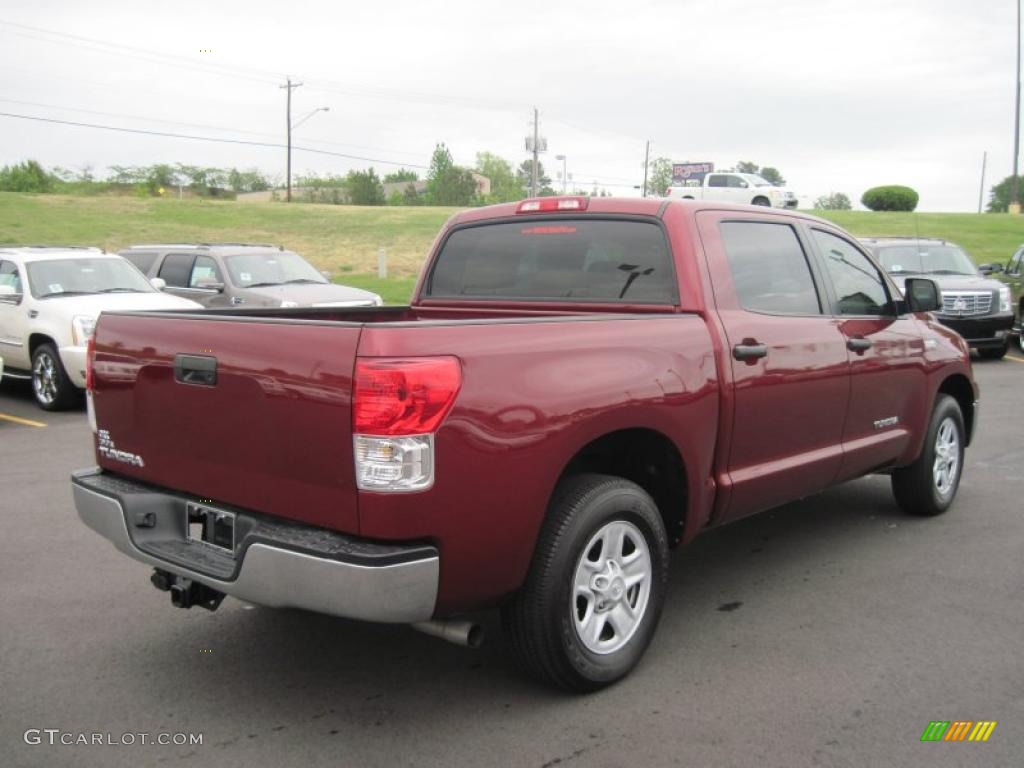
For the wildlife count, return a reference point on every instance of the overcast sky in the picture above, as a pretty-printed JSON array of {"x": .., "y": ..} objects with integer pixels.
[{"x": 840, "y": 96}]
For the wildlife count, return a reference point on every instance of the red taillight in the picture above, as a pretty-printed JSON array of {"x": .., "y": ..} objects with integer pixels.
[
  {"x": 403, "y": 396},
  {"x": 552, "y": 204},
  {"x": 90, "y": 352}
]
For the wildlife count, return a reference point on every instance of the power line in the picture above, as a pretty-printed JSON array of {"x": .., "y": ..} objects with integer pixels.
[
  {"x": 203, "y": 125},
  {"x": 244, "y": 142}
]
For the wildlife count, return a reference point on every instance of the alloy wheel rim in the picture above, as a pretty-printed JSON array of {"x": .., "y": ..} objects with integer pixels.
[
  {"x": 947, "y": 457},
  {"x": 611, "y": 587},
  {"x": 44, "y": 378}
]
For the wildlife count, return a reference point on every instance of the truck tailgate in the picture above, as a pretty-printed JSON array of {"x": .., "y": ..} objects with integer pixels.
[{"x": 272, "y": 433}]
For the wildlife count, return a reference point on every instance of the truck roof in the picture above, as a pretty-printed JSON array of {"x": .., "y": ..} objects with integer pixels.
[
  {"x": 623, "y": 206},
  {"x": 49, "y": 252},
  {"x": 206, "y": 246}
]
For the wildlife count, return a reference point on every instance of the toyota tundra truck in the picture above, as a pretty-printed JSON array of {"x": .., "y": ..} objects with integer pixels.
[{"x": 579, "y": 387}]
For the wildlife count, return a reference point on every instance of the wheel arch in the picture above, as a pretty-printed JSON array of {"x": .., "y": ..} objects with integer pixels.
[
  {"x": 958, "y": 386},
  {"x": 646, "y": 457},
  {"x": 36, "y": 340}
]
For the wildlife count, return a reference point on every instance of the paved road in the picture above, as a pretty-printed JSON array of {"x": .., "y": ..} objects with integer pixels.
[{"x": 828, "y": 632}]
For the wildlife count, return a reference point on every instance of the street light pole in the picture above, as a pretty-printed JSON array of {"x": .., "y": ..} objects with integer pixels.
[
  {"x": 562, "y": 158},
  {"x": 1015, "y": 196}
]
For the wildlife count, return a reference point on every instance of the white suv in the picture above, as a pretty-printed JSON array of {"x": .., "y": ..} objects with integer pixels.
[{"x": 50, "y": 298}]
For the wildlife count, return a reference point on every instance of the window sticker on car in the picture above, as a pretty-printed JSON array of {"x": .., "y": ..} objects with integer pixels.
[
  {"x": 55, "y": 288},
  {"x": 87, "y": 270}
]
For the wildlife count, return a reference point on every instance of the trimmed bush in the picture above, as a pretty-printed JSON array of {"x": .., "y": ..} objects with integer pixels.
[{"x": 890, "y": 198}]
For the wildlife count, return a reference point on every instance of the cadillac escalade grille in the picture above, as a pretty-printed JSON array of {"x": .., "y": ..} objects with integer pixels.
[{"x": 963, "y": 303}]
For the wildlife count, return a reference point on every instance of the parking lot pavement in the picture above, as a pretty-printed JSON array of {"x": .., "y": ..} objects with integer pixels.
[{"x": 828, "y": 632}]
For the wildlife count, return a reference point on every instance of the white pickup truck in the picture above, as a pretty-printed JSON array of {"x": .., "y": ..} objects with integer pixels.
[{"x": 731, "y": 187}]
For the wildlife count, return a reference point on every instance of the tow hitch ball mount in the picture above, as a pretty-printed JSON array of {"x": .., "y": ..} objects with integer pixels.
[{"x": 185, "y": 592}]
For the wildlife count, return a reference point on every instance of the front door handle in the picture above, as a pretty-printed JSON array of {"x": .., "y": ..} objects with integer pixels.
[
  {"x": 859, "y": 344},
  {"x": 750, "y": 352}
]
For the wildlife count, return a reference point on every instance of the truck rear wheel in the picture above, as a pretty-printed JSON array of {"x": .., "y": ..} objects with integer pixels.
[
  {"x": 928, "y": 486},
  {"x": 596, "y": 586},
  {"x": 761, "y": 201}
]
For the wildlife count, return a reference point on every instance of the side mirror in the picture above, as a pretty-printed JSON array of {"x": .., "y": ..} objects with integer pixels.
[
  {"x": 8, "y": 295},
  {"x": 922, "y": 295},
  {"x": 744, "y": 184},
  {"x": 209, "y": 284},
  {"x": 990, "y": 269},
  {"x": 158, "y": 282},
  {"x": 326, "y": 274}
]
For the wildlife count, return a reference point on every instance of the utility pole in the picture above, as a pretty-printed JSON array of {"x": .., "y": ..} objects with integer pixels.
[
  {"x": 291, "y": 87},
  {"x": 647, "y": 158},
  {"x": 981, "y": 189},
  {"x": 1015, "y": 196},
  {"x": 534, "y": 177}
]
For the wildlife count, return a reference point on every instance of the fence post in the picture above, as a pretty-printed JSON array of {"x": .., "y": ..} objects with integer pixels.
[{"x": 382, "y": 262}]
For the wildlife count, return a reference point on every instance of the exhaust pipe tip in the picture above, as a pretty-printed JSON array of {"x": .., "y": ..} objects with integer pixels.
[{"x": 458, "y": 631}]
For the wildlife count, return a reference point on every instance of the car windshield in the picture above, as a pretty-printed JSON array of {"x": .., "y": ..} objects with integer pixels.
[
  {"x": 926, "y": 260},
  {"x": 757, "y": 181},
  {"x": 75, "y": 277},
  {"x": 250, "y": 270}
]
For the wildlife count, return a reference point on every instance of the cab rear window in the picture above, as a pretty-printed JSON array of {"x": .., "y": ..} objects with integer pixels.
[{"x": 586, "y": 260}]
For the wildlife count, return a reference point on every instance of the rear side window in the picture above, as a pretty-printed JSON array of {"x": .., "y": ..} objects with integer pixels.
[
  {"x": 177, "y": 268},
  {"x": 144, "y": 261},
  {"x": 769, "y": 268},
  {"x": 860, "y": 287},
  {"x": 557, "y": 259}
]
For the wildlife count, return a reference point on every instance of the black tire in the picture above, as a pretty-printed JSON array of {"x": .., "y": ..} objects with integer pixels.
[
  {"x": 995, "y": 353},
  {"x": 51, "y": 386},
  {"x": 541, "y": 621},
  {"x": 916, "y": 487},
  {"x": 761, "y": 201}
]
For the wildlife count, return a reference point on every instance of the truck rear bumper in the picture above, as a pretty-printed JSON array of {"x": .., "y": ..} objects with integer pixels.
[{"x": 274, "y": 563}]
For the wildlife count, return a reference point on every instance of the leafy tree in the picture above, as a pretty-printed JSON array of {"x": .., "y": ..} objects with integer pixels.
[
  {"x": 834, "y": 201},
  {"x": 402, "y": 174},
  {"x": 524, "y": 175},
  {"x": 29, "y": 176},
  {"x": 364, "y": 188},
  {"x": 659, "y": 176},
  {"x": 505, "y": 187},
  {"x": 772, "y": 175},
  {"x": 410, "y": 196},
  {"x": 767, "y": 173},
  {"x": 447, "y": 183},
  {"x": 247, "y": 181},
  {"x": 999, "y": 197}
]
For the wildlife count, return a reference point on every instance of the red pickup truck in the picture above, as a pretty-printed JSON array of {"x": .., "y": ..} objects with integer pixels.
[{"x": 578, "y": 387}]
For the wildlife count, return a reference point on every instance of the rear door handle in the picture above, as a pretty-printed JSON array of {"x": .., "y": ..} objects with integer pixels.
[
  {"x": 859, "y": 344},
  {"x": 196, "y": 369},
  {"x": 750, "y": 352}
]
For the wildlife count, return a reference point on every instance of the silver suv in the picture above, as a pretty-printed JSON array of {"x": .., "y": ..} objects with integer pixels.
[{"x": 238, "y": 274}]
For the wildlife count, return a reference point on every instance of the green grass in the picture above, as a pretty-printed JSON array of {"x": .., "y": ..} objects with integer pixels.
[
  {"x": 987, "y": 237},
  {"x": 339, "y": 238},
  {"x": 394, "y": 290},
  {"x": 345, "y": 239}
]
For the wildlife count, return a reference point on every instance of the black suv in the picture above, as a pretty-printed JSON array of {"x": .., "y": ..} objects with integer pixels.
[{"x": 976, "y": 307}]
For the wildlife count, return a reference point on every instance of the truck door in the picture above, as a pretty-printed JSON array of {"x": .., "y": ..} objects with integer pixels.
[
  {"x": 788, "y": 358},
  {"x": 12, "y": 317},
  {"x": 887, "y": 365}
]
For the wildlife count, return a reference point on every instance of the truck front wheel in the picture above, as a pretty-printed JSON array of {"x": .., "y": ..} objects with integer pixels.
[
  {"x": 928, "y": 486},
  {"x": 596, "y": 586}
]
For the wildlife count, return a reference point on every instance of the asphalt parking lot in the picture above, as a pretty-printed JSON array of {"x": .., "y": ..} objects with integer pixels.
[{"x": 826, "y": 633}]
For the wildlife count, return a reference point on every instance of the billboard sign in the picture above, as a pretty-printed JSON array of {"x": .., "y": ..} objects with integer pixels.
[{"x": 688, "y": 174}]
